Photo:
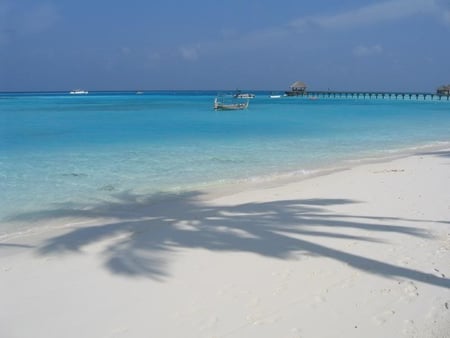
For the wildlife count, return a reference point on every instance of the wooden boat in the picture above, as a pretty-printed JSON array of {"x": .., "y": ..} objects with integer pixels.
[{"x": 221, "y": 105}]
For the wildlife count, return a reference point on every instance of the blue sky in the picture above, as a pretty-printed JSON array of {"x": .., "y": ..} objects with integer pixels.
[{"x": 209, "y": 44}]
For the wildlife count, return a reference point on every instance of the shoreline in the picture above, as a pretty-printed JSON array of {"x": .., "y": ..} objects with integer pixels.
[
  {"x": 214, "y": 190},
  {"x": 364, "y": 249},
  {"x": 293, "y": 176}
]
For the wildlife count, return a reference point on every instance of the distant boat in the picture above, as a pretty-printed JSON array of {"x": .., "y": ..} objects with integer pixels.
[
  {"x": 221, "y": 105},
  {"x": 79, "y": 92},
  {"x": 240, "y": 95},
  {"x": 275, "y": 96}
]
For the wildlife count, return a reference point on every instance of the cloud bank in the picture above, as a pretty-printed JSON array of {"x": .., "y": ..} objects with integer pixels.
[
  {"x": 365, "y": 16},
  {"x": 393, "y": 10}
]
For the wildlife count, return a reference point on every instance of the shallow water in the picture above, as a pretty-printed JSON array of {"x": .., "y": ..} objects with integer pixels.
[{"x": 58, "y": 149}]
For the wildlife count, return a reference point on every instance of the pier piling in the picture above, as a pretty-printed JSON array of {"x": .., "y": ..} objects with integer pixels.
[{"x": 375, "y": 95}]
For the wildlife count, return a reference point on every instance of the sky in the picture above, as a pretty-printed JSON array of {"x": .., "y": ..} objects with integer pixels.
[{"x": 385, "y": 45}]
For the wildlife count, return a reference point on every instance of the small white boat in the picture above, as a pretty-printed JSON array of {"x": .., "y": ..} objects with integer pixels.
[
  {"x": 79, "y": 92},
  {"x": 244, "y": 96},
  {"x": 220, "y": 105},
  {"x": 275, "y": 95},
  {"x": 240, "y": 95}
]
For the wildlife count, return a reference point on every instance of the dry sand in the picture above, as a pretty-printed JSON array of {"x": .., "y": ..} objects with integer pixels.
[{"x": 363, "y": 252}]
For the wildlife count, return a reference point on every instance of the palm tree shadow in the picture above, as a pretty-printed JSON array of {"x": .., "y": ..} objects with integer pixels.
[
  {"x": 147, "y": 231},
  {"x": 439, "y": 153}
]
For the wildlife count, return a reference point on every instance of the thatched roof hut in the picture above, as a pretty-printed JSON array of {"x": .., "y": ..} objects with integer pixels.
[
  {"x": 298, "y": 85},
  {"x": 297, "y": 88},
  {"x": 443, "y": 90}
]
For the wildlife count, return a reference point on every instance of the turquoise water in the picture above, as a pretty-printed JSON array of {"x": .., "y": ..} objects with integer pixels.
[{"x": 59, "y": 148}]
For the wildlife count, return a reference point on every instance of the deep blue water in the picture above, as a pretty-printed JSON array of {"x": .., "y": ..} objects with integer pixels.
[{"x": 59, "y": 148}]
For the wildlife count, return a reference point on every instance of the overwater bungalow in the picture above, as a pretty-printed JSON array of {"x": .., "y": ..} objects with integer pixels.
[
  {"x": 443, "y": 90},
  {"x": 297, "y": 88}
]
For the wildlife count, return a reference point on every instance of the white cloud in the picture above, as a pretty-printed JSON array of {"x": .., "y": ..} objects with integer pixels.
[
  {"x": 125, "y": 50},
  {"x": 153, "y": 56},
  {"x": 228, "y": 33},
  {"x": 374, "y": 14},
  {"x": 16, "y": 22},
  {"x": 189, "y": 53},
  {"x": 362, "y": 50},
  {"x": 447, "y": 17},
  {"x": 441, "y": 10},
  {"x": 377, "y": 13},
  {"x": 369, "y": 15},
  {"x": 39, "y": 19}
]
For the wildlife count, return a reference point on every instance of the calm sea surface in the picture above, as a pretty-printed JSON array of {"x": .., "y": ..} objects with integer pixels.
[{"x": 58, "y": 149}]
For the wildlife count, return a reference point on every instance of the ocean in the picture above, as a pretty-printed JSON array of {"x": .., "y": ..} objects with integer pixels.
[{"x": 59, "y": 150}]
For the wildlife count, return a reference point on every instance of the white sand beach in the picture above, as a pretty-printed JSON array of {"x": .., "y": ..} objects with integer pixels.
[{"x": 362, "y": 252}]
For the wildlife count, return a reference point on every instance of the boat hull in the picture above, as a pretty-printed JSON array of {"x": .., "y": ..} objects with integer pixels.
[{"x": 233, "y": 106}]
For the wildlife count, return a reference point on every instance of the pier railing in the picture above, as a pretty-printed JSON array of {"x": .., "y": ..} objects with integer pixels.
[{"x": 374, "y": 95}]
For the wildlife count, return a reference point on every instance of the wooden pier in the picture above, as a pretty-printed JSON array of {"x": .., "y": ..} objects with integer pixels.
[{"x": 373, "y": 95}]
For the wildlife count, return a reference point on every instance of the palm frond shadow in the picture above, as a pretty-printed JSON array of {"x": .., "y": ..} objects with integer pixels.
[
  {"x": 147, "y": 231},
  {"x": 439, "y": 153}
]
